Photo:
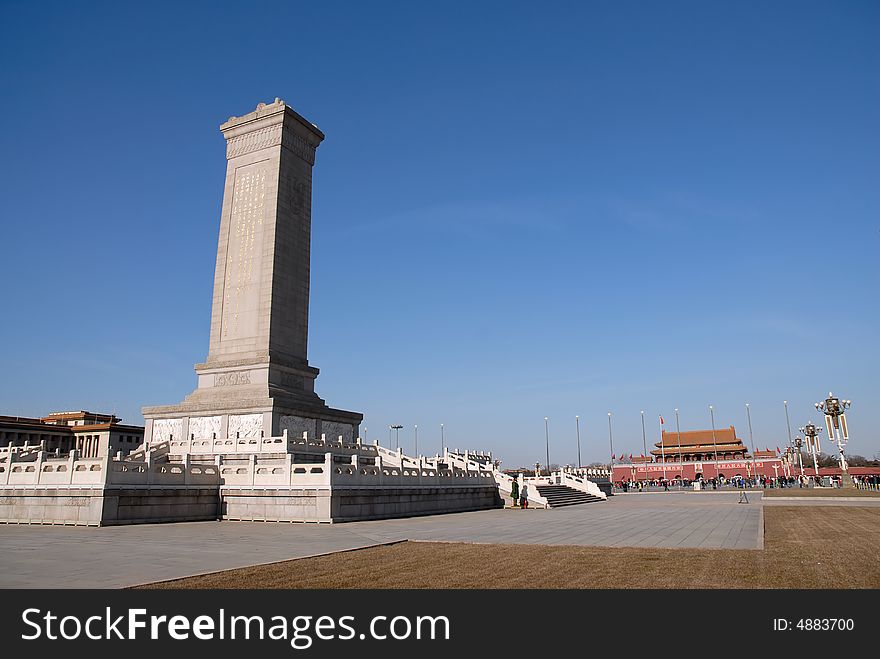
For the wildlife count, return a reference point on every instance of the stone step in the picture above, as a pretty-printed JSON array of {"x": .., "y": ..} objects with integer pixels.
[{"x": 561, "y": 495}]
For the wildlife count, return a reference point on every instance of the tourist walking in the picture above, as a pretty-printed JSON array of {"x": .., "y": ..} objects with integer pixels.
[
  {"x": 524, "y": 496},
  {"x": 514, "y": 492}
]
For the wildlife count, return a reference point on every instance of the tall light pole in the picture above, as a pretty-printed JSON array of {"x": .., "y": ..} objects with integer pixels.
[
  {"x": 835, "y": 420},
  {"x": 577, "y": 425},
  {"x": 752, "y": 441},
  {"x": 442, "y": 440},
  {"x": 417, "y": 441},
  {"x": 645, "y": 449},
  {"x": 811, "y": 432},
  {"x": 714, "y": 443},
  {"x": 397, "y": 428},
  {"x": 788, "y": 423},
  {"x": 662, "y": 450},
  {"x": 680, "y": 459},
  {"x": 798, "y": 443},
  {"x": 611, "y": 443},
  {"x": 547, "y": 435}
]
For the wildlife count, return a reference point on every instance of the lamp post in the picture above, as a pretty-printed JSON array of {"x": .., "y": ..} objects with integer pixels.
[
  {"x": 788, "y": 424},
  {"x": 811, "y": 432},
  {"x": 798, "y": 443},
  {"x": 396, "y": 427},
  {"x": 835, "y": 420},
  {"x": 442, "y": 440},
  {"x": 752, "y": 440},
  {"x": 645, "y": 449},
  {"x": 680, "y": 458},
  {"x": 416, "y": 427},
  {"x": 577, "y": 425},
  {"x": 714, "y": 443},
  {"x": 662, "y": 451},
  {"x": 611, "y": 444},
  {"x": 547, "y": 436}
]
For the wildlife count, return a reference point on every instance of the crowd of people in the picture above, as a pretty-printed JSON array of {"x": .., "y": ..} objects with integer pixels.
[
  {"x": 740, "y": 482},
  {"x": 867, "y": 482}
]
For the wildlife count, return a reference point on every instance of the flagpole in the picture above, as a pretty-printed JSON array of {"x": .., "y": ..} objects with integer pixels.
[
  {"x": 752, "y": 442},
  {"x": 577, "y": 423},
  {"x": 645, "y": 449},
  {"x": 662, "y": 450},
  {"x": 680, "y": 459},
  {"x": 714, "y": 444}
]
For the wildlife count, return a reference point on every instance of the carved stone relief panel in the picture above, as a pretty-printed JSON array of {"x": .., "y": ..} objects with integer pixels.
[
  {"x": 331, "y": 430},
  {"x": 165, "y": 429},
  {"x": 245, "y": 425},
  {"x": 204, "y": 427},
  {"x": 297, "y": 425}
]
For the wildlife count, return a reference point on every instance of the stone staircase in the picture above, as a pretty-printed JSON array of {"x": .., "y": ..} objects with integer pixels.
[{"x": 562, "y": 495}]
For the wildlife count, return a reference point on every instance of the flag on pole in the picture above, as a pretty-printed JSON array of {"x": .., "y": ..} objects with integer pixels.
[
  {"x": 662, "y": 447},
  {"x": 612, "y": 456},
  {"x": 777, "y": 450}
]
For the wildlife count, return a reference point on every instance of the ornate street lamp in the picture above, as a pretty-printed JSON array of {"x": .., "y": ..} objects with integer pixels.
[
  {"x": 798, "y": 443},
  {"x": 835, "y": 420},
  {"x": 811, "y": 432}
]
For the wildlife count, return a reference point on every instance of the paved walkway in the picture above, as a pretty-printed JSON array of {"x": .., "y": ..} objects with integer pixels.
[{"x": 116, "y": 556}]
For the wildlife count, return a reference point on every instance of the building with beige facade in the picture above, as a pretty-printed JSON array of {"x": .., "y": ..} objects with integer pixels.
[{"x": 91, "y": 434}]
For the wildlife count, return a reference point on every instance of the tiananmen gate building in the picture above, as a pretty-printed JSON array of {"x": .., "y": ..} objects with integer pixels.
[{"x": 702, "y": 454}]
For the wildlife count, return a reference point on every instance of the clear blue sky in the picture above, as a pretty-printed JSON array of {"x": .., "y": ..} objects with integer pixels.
[{"x": 520, "y": 210}]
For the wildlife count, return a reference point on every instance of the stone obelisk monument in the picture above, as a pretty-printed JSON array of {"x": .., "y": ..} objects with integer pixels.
[{"x": 256, "y": 380}]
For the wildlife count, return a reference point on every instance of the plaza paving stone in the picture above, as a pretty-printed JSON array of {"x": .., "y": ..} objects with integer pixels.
[{"x": 112, "y": 557}]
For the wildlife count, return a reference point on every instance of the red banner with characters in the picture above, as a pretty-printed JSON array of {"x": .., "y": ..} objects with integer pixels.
[{"x": 689, "y": 470}]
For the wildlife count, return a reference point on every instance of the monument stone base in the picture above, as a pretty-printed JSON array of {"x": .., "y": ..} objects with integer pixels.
[{"x": 315, "y": 481}]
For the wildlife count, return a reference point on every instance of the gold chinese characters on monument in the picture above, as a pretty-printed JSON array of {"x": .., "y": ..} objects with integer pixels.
[{"x": 243, "y": 254}]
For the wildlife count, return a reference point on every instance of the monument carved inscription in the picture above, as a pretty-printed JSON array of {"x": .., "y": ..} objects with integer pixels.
[
  {"x": 232, "y": 379},
  {"x": 243, "y": 253}
]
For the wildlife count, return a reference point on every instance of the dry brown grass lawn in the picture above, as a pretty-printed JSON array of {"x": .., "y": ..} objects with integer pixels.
[
  {"x": 805, "y": 547},
  {"x": 820, "y": 492}
]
